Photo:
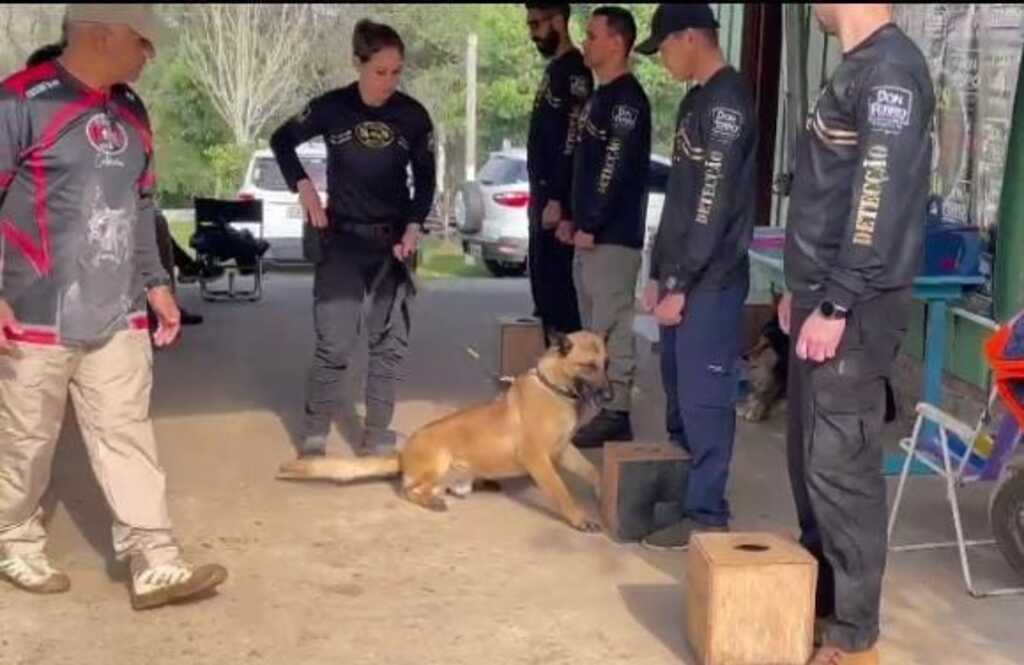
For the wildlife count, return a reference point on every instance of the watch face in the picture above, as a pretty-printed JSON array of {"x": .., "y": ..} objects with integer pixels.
[{"x": 828, "y": 309}]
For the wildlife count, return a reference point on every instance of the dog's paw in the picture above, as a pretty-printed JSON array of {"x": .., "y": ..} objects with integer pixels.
[
  {"x": 437, "y": 504},
  {"x": 588, "y": 526},
  {"x": 295, "y": 469},
  {"x": 461, "y": 490}
]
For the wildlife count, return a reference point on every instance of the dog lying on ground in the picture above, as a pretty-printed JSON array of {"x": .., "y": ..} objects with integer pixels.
[{"x": 525, "y": 431}]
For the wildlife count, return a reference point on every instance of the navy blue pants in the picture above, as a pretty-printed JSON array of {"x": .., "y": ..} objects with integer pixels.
[{"x": 699, "y": 359}]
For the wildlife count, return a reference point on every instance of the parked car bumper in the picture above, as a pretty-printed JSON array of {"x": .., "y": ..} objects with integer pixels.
[{"x": 504, "y": 249}]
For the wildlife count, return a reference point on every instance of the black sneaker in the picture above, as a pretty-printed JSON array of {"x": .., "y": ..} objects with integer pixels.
[
  {"x": 190, "y": 319},
  {"x": 606, "y": 426},
  {"x": 313, "y": 446},
  {"x": 677, "y": 536}
]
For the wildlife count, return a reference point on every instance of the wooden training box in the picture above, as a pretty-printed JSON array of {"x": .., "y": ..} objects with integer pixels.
[
  {"x": 638, "y": 479},
  {"x": 750, "y": 599},
  {"x": 520, "y": 344}
]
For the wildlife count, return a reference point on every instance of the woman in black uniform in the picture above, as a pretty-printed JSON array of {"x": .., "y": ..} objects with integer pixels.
[{"x": 370, "y": 228}]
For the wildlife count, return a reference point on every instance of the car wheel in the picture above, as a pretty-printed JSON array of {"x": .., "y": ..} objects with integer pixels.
[
  {"x": 499, "y": 269},
  {"x": 1006, "y": 515},
  {"x": 469, "y": 208}
]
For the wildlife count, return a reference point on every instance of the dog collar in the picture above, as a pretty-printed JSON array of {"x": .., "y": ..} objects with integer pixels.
[{"x": 568, "y": 394}]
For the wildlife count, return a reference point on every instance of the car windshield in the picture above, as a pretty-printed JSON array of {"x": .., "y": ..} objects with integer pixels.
[
  {"x": 502, "y": 170},
  {"x": 266, "y": 174}
]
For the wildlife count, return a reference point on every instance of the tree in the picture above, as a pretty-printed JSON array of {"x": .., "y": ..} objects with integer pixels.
[
  {"x": 24, "y": 28},
  {"x": 248, "y": 58}
]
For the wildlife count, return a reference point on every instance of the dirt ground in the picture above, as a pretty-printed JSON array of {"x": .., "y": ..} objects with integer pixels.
[{"x": 327, "y": 574}]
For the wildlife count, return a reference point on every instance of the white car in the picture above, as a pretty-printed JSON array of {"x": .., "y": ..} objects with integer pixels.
[
  {"x": 491, "y": 212},
  {"x": 282, "y": 215}
]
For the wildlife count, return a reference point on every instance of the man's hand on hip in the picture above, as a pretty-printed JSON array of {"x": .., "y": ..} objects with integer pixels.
[
  {"x": 8, "y": 324},
  {"x": 167, "y": 315}
]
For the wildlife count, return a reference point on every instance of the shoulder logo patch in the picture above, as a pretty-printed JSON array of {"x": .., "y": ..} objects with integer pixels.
[
  {"x": 579, "y": 86},
  {"x": 889, "y": 108},
  {"x": 624, "y": 116},
  {"x": 726, "y": 123}
]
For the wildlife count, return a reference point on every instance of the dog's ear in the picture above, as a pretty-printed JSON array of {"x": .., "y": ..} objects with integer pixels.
[{"x": 561, "y": 342}]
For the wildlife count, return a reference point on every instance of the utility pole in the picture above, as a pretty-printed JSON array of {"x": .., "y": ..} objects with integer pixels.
[{"x": 471, "y": 108}]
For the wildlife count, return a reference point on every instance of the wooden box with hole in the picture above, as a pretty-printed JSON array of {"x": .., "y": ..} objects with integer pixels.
[
  {"x": 750, "y": 599},
  {"x": 642, "y": 487},
  {"x": 520, "y": 344}
]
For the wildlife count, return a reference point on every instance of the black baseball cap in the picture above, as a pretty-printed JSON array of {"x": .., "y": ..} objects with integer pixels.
[{"x": 671, "y": 17}]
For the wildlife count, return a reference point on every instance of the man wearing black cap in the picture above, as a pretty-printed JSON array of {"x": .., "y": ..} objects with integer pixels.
[
  {"x": 853, "y": 248},
  {"x": 609, "y": 195},
  {"x": 554, "y": 131},
  {"x": 699, "y": 267}
]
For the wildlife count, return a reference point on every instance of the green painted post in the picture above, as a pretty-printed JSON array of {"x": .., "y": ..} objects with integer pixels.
[{"x": 1008, "y": 286}]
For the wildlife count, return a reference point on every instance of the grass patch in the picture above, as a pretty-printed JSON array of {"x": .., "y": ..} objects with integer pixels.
[
  {"x": 439, "y": 259},
  {"x": 181, "y": 232}
]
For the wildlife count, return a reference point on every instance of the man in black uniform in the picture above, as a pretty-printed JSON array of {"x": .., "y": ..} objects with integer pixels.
[
  {"x": 554, "y": 131},
  {"x": 609, "y": 197},
  {"x": 700, "y": 273},
  {"x": 370, "y": 228},
  {"x": 853, "y": 248}
]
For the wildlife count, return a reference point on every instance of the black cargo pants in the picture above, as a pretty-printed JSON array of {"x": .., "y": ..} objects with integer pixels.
[{"x": 834, "y": 449}]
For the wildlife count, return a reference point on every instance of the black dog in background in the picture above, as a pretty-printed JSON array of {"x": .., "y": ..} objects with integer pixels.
[{"x": 768, "y": 370}]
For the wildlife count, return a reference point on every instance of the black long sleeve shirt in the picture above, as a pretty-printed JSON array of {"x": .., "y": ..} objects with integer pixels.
[
  {"x": 554, "y": 127},
  {"x": 708, "y": 219},
  {"x": 368, "y": 150},
  {"x": 857, "y": 209},
  {"x": 612, "y": 163}
]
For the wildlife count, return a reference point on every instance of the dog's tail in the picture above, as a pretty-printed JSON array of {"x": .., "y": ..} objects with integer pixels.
[{"x": 340, "y": 468}]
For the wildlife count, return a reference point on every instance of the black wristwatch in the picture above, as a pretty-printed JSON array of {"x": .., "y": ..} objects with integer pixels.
[{"x": 832, "y": 311}]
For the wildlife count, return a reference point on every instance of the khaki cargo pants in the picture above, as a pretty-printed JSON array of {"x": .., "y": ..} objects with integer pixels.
[
  {"x": 605, "y": 279},
  {"x": 110, "y": 385}
]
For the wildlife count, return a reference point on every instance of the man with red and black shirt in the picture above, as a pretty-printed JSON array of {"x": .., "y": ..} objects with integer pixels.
[{"x": 78, "y": 262}]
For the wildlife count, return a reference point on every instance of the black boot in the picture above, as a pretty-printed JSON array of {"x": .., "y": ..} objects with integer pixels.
[
  {"x": 190, "y": 319},
  {"x": 606, "y": 426}
]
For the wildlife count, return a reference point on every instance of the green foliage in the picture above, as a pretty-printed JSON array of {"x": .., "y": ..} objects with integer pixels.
[
  {"x": 195, "y": 153},
  {"x": 227, "y": 163},
  {"x": 185, "y": 126}
]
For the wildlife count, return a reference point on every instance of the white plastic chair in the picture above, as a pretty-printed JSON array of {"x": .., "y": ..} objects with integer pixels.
[{"x": 955, "y": 456}]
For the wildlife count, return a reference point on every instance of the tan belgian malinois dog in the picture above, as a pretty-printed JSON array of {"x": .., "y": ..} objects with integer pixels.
[{"x": 525, "y": 431}]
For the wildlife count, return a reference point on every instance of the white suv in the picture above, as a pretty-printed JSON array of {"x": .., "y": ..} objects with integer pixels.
[
  {"x": 491, "y": 212},
  {"x": 282, "y": 215}
]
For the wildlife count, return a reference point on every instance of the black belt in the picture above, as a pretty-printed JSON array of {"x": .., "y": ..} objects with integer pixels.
[{"x": 383, "y": 232}]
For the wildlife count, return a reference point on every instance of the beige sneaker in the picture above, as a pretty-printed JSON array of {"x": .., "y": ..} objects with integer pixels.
[
  {"x": 34, "y": 574},
  {"x": 830, "y": 655},
  {"x": 173, "y": 582}
]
